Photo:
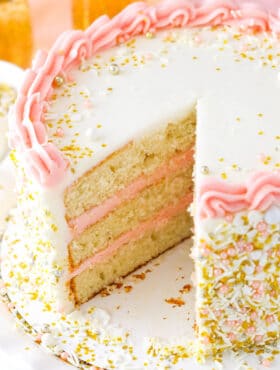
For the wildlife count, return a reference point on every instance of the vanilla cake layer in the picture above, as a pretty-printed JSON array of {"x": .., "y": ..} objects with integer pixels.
[
  {"x": 131, "y": 256},
  {"x": 128, "y": 215},
  {"x": 135, "y": 159}
]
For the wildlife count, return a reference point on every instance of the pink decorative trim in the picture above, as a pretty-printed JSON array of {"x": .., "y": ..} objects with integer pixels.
[
  {"x": 93, "y": 215},
  {"x": 217, "y": 198},
  {"x": 28, "y": 132}
]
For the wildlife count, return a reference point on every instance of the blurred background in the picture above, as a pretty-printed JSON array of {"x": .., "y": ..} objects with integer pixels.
[{"x": 26, "y": 25}]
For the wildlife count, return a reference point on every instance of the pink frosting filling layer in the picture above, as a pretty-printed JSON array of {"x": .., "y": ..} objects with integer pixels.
[
  {"x": 28, "y": 132},
  {"x": 154, "y": 224},
  {"x": 93, "y": 215}
]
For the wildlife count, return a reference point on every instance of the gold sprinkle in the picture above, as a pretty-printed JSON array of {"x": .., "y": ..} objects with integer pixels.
[
  {"x": 261, "y": 132},
  {"x": 224, "y": 176},
  {"x": 150, "y": 35},
  {"x": 235, "y": 167}
]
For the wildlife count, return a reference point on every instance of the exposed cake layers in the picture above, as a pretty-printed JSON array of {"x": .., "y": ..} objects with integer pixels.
[
  {"x": 132, "y": 249},
  {"x": 139, "y": 208}
]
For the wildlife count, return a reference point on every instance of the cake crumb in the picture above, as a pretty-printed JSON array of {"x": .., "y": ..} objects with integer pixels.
[{"x": 175, "y": 302}]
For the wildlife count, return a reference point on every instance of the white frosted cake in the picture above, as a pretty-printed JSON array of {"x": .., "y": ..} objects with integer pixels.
[{"x": 126, "y": 135}]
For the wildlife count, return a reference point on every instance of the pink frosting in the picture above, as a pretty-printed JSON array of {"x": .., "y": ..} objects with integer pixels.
[
  {"x": 217, "y": 198},
  {"x": 93, "y": 215},
  {"x": 28, "y": 132},
  {"x": 154, "y": 224}
]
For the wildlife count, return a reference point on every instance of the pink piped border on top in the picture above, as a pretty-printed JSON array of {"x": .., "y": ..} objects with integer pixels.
[{"x": 28, "y": 133}]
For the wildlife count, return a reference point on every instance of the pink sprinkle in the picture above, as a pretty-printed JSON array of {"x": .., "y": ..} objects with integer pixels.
[
  {"x": 231, "y": 252},
  {"x": 249, "y": 247},
  {"x": 218, "y": 272},
  {"x": 59, "y": 132},
  {"x": 259, "y": 268},
  {"x": 149, "y": 56},
  {"x": 205, "y": 311},
  {"x": 232, "y": 337},
  {"x": 266, "y": 362},
  {"x": 269, "y": 252},
  {"x": 218, "y": 313},
  {"x": 254, "y": 316},
  {"x": 224, "y": 255},
  {"x": 88, "y": 104},
  {"x": 230, "y": 323},
  {"x": 251, "y": 330},
  {"x": 205, "y": 252},
  {"x": 258, "y": 338},
  {"x": 198, "y": 40},
  {"x": 224, "y": 289},
  {"x": 262, "y": 226},
  {"x": 270, "y": 319},
  {"x": 256, "y": 284},
  {"x": 241, "y": 245},
  {"x": 206, "y": 340},
  {"x": 229, "y": 218}
]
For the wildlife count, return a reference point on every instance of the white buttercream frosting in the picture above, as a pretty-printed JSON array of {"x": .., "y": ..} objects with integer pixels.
[{"x": 230, "y": 77}]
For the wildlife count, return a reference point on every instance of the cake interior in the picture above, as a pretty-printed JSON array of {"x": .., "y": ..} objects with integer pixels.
[{"x": 131, "y": 207}]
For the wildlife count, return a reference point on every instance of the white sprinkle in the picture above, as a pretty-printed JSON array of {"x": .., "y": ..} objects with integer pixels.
[{"x": 114, "y": 69}]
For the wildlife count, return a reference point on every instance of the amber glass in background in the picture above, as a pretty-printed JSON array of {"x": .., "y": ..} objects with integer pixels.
[
  {"x": 15, "y": 32},
  {"x": 85, "y": 11}
]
